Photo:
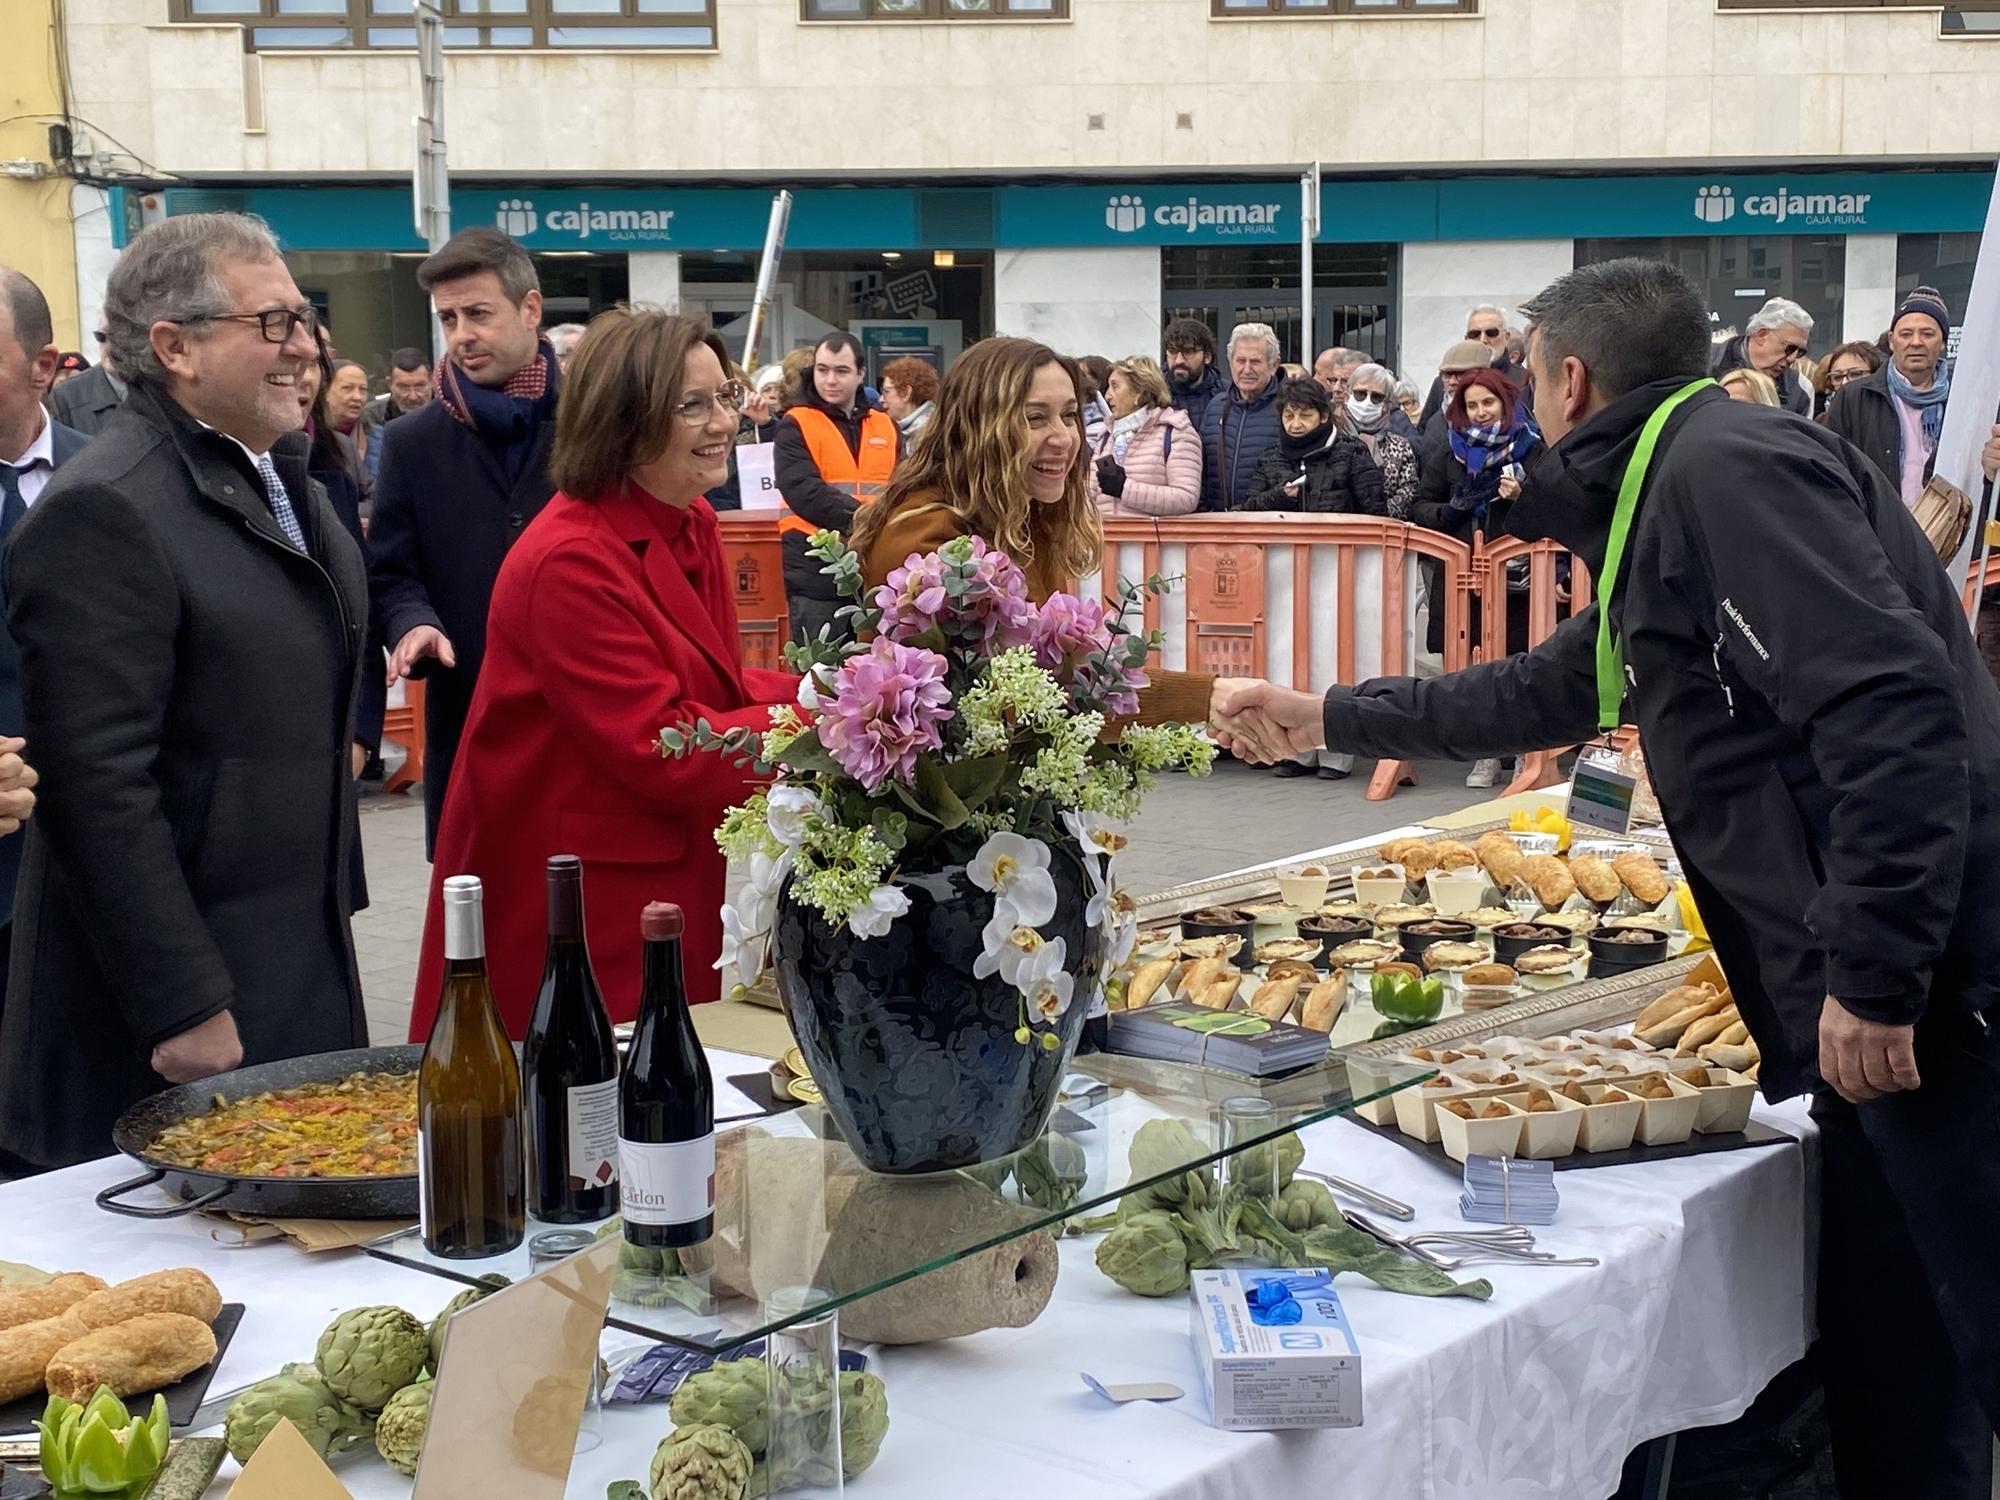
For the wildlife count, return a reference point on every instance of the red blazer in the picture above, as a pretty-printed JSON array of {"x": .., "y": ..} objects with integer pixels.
[{"x": 597, "y": 638}]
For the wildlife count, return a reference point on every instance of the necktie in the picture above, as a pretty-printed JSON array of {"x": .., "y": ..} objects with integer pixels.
[
  {"x": 281, "y": 503},
  {"x": 12, "y": 506}
]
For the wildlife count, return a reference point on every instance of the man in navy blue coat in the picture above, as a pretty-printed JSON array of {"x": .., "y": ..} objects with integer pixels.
[
  {"x": 461, "y": 479},
  {"x": 33, "y": 445},
  {"x": 1242, "y": 422}
]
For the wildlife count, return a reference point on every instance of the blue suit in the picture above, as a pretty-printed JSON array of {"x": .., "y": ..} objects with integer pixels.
[{"x": 67, "y": 442}]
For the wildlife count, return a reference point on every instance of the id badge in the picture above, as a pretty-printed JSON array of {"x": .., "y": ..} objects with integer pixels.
[{"x": 1601, "y": 794}]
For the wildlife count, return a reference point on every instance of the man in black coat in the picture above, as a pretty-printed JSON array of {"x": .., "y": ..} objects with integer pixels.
[
  {"x": 1896, "y": 415},
  {"x": 1772, "y": 343},
  {"x": 190, "y": 618},
  {"x": 1825, "y": 745},
  {"x": 86, "y": 403},
  {"x": 33, "y": 445},
  {"x": 461, "y": 479}
]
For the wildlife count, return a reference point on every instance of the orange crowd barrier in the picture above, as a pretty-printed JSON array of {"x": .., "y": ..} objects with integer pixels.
[{"x": 405, "y": 725}]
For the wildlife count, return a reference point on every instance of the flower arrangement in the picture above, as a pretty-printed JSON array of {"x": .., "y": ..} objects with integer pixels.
[{"x": 949, "y": 720}]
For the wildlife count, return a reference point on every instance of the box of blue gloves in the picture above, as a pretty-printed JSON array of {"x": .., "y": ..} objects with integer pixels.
[{"x": 1275, "y": 1350}]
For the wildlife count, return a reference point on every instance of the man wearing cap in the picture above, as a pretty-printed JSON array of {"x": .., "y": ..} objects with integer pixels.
[{"x": 1894, "y": 415}]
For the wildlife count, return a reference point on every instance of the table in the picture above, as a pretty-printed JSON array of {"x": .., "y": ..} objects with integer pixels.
[{"x": 1701, "y": 1298}]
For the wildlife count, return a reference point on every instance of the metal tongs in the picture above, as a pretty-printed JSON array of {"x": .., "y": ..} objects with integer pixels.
[
  {"x": 1508, "y": 1242},
  {"x": 1380, "y": 1202}
]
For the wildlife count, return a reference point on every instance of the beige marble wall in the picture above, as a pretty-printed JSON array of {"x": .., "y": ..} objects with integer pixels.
[{"x": 1530, "y": 81}]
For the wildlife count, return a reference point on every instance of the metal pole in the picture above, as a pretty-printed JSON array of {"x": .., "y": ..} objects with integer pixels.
[
  {"x": 1308, "y": 232},
  {"x": 767, "y": 277},
  {"x": 431, "y": 179}
]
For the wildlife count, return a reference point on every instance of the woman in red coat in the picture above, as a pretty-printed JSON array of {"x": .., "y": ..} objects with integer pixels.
[{"x": 611, "y": 619}]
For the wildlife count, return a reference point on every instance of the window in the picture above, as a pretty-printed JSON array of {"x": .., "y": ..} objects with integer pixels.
[
  {"x": 1740, "y": 273},
  {"x": 272, "y": 25},
  {"x": 1240, "y": 8},
  {"x": 933, "y": 10}
]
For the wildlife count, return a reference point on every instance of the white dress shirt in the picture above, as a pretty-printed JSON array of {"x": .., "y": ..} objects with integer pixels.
[{"x": 36, "y": 467}]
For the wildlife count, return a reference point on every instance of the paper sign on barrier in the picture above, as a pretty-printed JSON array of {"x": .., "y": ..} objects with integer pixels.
[{"x": 756, "y": 472}]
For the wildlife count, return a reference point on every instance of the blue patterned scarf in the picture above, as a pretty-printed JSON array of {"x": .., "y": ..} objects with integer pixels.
[
  {"x": 1486, "y": 452},
  {"x": 1930, "y": 402}
]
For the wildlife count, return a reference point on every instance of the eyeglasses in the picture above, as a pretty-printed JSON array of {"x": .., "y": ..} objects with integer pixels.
[
  {"x": 694, "y": 410},
  {"x": 1793, "y": 351},
  {"x": 1841, "y": 377},
  {"x": 276, "y": 323}
]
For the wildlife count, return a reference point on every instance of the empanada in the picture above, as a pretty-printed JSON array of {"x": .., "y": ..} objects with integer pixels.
[
  {"x": 1596, "y": 879},
  {"x": 1501, "y": 856},
  {"x": 186, "y": 1291},
  {"x": 30, "y": 1304},
  {"x": 1217, "y": 995},
  {"x": 1418, "y": 860},
  {"x": 27, "y": 1348},
  {"x": 1274, "y": 997},
  {"x": 1672, "y": 1002},
  {"x": 136, "y": 1355},
  {"x": 1450, "y": 854},
  {"x": 1204, "y": 973},
  {"x": 1642, "y": 877},
  {"x": 1147, "y": 981},
  {"x": 1322, "y": 1007},
  {"x": 1702, "y": 1032},
  {"x": 1550, "y": 880}
]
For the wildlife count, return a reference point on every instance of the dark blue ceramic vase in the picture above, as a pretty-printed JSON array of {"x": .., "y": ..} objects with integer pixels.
[{"x": 916, "y": 1058}]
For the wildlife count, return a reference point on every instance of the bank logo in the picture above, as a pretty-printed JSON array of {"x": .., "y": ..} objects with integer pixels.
[
  {"x": 1125, "y": 213},
  {"x": 517, "y": 217},
  {"x": 1715, "y": 204}
]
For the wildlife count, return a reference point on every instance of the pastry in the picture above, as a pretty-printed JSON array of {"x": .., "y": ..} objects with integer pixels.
[
  {"x": 185, "y": 1291},
  {"x": 1596, "y": 879},
  {"x": 1674, "y": 1000},
  {"x": 134, "y": 1355},
  {"x": 1552, "y": 958},
  {"x": 1501, "y": 856},
  {"x": 1666, "y": 1032},
  {"x": 1346, "y": 909},
  {"x": 1216, "y": 945},
  {"x": 1575, "y": 1093},
  {"x": 1737, "y": 1059},
  {"x": 1297, "y": 948},
  {"x": 1736, "y": 1035},
  {"x": 1393, "y": 850},
  {"x": 30, "y": 1304},
  {"x": 1484, "y": 975},
  {"x": 1642, "y": 877},
  {"x": 1697, "y": 1078},
  {"x": 27, "y": 1348},
  {"x": 1653, "y": 1086},
  {"x": 1704, "y": 1031},
  {"x": 1495, "y": 1110},
  {"x": 1294, "y": 968},
  {"x": 1418, "y": 860},
  {"x": 1450, "y": 854},
  {"x": 1217, "y": 995},
  {"x": 1568, "y": 921},
  {"x": 1486, "y": 918},
  {"x": 1450, "y": 955},
  {"x": 1146, "y": 982},
  {"x": 1403, "y": 916},
  {"x": 1459, "y": 1107},
  {"x": 1274, "y": 997},
  {"x": 1322, "y": 1007},
  {"x": 1540, "y": 1103},
  {"x": 1550, "y": 880},
  {"x": 1204, "y": 973},
  {"x": 1364, "y": 952}
]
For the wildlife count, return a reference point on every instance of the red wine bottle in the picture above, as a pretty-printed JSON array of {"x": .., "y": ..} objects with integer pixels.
[
  {"x": 469, "y": 1163},
  {"x": 569, "y": 1067},
  {"x": 666, "y": 1103}
]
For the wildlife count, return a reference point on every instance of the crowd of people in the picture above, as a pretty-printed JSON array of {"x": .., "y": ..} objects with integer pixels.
[{"x": 201, "y": 598}]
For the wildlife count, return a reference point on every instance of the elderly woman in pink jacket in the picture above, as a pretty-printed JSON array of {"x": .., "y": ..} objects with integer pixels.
[{"x": 1148, "y": 463}]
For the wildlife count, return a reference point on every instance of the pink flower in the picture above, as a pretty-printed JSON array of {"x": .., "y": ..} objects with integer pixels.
[
  {"x": 977, "y": 595},
  {"x": 886, "y": 708},
  {"x": 913, "y": 597},
  {"x": 1068, "y": 632}
]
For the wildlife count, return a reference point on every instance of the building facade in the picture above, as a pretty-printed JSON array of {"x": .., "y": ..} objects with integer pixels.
[{"x": 1074, "y": 170}]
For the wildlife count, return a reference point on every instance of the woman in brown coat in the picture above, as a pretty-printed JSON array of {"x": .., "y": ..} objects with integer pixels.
[{"x": 1005, "y": 460}]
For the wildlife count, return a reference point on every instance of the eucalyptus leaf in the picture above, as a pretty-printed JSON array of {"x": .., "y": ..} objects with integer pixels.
[
  {"x": 935, "y": 795},
  {"x": 976, "y": 781}
]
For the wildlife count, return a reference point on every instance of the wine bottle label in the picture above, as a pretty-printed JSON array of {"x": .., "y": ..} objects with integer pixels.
[
  {"x": 593, "y": 1134},
  {"x": 666, "y": 1182}
]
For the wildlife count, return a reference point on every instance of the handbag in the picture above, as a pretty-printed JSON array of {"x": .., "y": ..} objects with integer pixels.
[{"x": 1944, "y": 512}]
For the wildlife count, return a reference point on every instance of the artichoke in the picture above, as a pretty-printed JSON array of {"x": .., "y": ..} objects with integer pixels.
[
  {"x": 487, "y": 1287},
  {"x": 370, "y": 1353},
  {"x": 100, "y": 1448},
  {"x": 732, "y": 1393},
  {"x": 1052, "y": 1172},
  {"x": 1305, "y": 1204},
  {"x": 705, "y": 1461},
  {"x": 399, "y": 1433},
  {"x": 864, "y": 1420},
  {"x": 299, "y": 1394},
  {"x": 1147, "y": 1254},
  {"x": 1255, "y": 1164}
]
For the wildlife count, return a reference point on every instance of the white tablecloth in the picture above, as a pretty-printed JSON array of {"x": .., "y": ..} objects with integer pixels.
[{"x": 1538, "y": 1393}]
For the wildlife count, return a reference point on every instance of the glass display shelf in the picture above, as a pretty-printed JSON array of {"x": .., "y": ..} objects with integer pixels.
[{"x": 794, "y": 1208}]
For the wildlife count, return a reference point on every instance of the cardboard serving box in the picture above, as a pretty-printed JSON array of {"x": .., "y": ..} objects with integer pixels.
[{"x": 1275, "y": 1350}]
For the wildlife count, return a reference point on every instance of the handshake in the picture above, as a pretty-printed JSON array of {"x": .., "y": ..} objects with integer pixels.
[{"x": 1264, "y": 723}]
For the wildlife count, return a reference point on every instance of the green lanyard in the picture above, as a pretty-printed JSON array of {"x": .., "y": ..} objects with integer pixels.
[{"x": 1610, "y": 652}]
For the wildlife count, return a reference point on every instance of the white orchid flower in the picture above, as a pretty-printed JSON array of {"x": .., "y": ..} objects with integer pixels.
[
  {"x": 1099, "y": 871},
  {"x": 1122, "y": 931},
  {"x": 758, "y": 903},
  {"x": 999, "y": 928},
  {"x": 787, "y": 809},
  {"x": 1016, "y": 869},
  {"x": 1045, "y": 982},
  {"x": 743, "y": 951},
  {"x": 875, "y": 916}
]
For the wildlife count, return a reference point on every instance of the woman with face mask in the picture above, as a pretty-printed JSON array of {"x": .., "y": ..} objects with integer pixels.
[{"x": 1372, "y": 416}]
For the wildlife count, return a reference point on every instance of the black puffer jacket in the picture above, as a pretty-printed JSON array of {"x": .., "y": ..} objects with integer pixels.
[
  {"x": 1822, "y": 734},
  {"x": 1340, "y": 479}
]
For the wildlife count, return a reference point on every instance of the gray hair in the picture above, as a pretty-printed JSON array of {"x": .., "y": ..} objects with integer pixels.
[
  {"x": 767, "y": 375},
  {"x": 1778, "y": 313},
  {"x": 1506, "y": 318},
  {"x": 1375, "y": 374},
  {"x": 34, "y": 330},
  {"x": 172, "y": 273},
  {"x": 563, "y": 337},
  {"x": 1404, "y": 393},
  {"x": 1262, "y": 331},
  {"x": 1629, "y": 321}
]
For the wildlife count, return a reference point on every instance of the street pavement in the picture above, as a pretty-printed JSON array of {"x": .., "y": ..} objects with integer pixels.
[{"x": 1191, "y": 828}]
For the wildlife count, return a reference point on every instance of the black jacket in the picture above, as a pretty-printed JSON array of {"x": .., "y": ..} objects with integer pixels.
[
  {"x": 1863, "y": 412},
  {"x": 1793, "y": 392},
  {"x": 66, "y": 443},
  {"x": 1234, "y": 435},
  {"x": 189, "y": 682},
  {"x": 1822, "y": 735},
  {"x": 87, "y": 402},
  {"x": 1340, "y": 480},
  {"x": 445, "y": 515},
  {"x": 1448, "y": 498},
  {"x": 1195, "y": 399},
  {"x": 810, "y": 497}
]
